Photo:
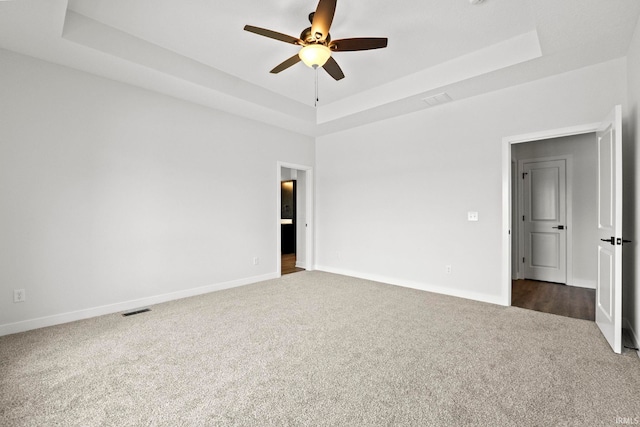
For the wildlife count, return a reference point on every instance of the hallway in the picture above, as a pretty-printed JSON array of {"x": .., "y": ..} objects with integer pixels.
[
  {"x": 554, "y": 298},
  {"x": 288, "y": 264}
]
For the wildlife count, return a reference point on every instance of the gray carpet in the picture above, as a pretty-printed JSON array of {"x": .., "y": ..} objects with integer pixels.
[{"x": 318, "y": 349}]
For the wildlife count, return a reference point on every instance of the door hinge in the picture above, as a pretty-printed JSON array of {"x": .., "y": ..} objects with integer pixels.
[
  {"x": 523, "y": 260},
  {"x": 524, "y": 174},
  {"x": 523, "y": 217}
]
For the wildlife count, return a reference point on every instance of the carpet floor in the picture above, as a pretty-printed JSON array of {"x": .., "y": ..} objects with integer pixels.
[{"x": 318, "y": 349}]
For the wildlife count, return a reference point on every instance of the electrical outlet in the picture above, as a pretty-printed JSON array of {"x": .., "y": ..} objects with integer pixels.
[
  {"x": 448, "y": 269},
  {"x": 472, "y": 216},
  {"x": 256, "y": 260},
  {"x": 19, "y": 295}
]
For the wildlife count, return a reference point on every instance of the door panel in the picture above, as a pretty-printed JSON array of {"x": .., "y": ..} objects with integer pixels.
[
  {"x": 605, "y": 271},
  {"x": 544, "y": 250},
  {"x": 609, "y": 244},
  {"x": 544, "y": 187},
  {"x": 606, "y": 179},
  {"x": 545, "y": 240}
]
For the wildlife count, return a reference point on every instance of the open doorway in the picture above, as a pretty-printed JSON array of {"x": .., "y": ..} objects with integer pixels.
[
  {"x": 289, "y": 222},
  {"x": 294, "y": 237},
  {"x": 554, "y": 185}
]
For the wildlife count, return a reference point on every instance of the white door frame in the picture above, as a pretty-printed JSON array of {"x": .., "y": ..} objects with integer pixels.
[
  {"x": 309, "y": 236},
  {"x": 568, "y": 159},
  {"x": 507, "y": 141}
]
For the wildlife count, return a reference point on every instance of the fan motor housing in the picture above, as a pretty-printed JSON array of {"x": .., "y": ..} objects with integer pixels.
[{"x": 308, "y": 37}]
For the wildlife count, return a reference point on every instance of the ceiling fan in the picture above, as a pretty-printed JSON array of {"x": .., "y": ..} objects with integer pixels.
[{"x": 316, "y": 42}]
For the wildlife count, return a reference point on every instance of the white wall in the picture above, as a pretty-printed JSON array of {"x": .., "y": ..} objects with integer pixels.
[
  {"x": 631, "y": 141},
  {"x": 393, "y": 196},
  {"x": 110, "y": 194},
  {"x": 583, "y": 174}
]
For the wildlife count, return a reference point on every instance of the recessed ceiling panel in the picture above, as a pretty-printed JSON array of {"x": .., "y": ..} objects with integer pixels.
[
  {"x": 422, "y": 33},
  {"x": 196, "y": 50}
]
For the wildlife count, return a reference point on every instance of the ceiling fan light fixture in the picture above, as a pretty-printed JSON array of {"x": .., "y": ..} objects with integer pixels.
[
  {"x": 315, "y": 55},
  {"x": 316, "y": 44}
]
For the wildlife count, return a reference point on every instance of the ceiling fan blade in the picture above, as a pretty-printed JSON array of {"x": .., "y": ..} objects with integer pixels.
[
  {"x": 286, "y": 64},
  {"x": 362, "y": 43},
  {"x": 322, "y": 19},
  {"x": 332, "y": 67},
  {"x": 272, "y": 34}
]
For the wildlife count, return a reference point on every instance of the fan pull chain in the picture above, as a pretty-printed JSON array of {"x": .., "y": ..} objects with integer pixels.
[{"x": 317, "y": 99}]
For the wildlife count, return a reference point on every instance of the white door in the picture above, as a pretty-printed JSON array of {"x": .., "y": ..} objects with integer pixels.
[
  {"x": 544, "y": 221},
  {"x": 609, "y": 246}
]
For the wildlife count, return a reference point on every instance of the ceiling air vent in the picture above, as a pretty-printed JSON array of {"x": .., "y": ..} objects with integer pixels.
[{"x": 438, "y": 99}]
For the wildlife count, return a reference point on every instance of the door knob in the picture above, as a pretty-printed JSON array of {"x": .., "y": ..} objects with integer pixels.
[
  {"x": 615, "y": 241},
  {"x": 560, "y": 227}
]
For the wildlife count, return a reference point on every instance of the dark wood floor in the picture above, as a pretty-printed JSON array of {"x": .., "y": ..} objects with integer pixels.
[
  {"x": 555, "y": 298},
  {"x": 288, "y": 264}
]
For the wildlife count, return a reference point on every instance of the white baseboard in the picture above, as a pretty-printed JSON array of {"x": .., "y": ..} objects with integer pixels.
[
  {"x": 587, "y": 284},
  {"x": 415, "y": 285},
  {"x": 57, "y": 319}
]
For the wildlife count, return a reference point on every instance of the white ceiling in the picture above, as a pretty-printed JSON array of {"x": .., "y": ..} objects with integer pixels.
[{"x": 197, "y": 50}]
